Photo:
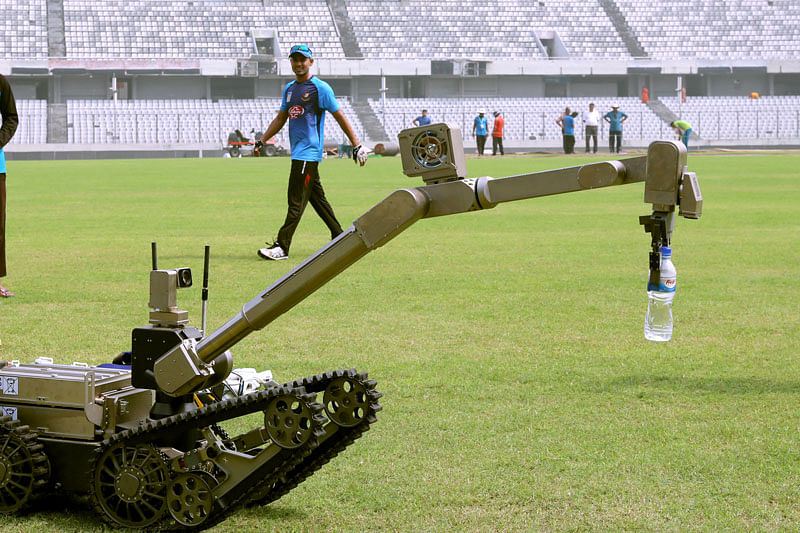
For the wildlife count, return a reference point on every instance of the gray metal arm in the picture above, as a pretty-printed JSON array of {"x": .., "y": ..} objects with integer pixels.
[
  {"x": 189, "y": 367},
  {"x": 392, "y": 216}
]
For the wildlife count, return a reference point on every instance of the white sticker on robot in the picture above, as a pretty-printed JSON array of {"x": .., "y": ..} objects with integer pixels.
[
  {"x": 8, "y": 411},
  {"x": 8, "y": 385}
]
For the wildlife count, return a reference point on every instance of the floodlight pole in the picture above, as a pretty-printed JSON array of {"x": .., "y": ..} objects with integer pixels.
[{"x": 383, "y": 91}]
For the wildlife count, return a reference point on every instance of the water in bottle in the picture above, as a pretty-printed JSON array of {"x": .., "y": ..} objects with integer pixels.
[{"x": 658, "y": 321}]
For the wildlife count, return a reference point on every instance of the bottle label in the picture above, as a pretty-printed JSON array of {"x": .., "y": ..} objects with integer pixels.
[{"x": 666, "y": 285}]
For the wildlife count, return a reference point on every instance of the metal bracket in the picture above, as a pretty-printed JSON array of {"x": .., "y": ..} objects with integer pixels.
[{"x": 658, "y": 225}]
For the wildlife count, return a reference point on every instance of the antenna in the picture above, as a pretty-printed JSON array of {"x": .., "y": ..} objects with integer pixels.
[
  {"x": 154, "y": 254},
  {"x": 205, "y": 287}
]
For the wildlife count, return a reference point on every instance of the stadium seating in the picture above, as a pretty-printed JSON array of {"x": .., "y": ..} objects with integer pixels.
[
  {"x": 32, "y": 127},
  {"x": 474, "y": 30},
  {"x": 584, "y": 29},
  {"x": 716, "y": 29},
  {"x": 736, "y": 117},
  {"x": 181, "y": 121},
  {"x": 407, "y": 29},
  {"x": 445, "y": 29},
  {"x": 525, "y": 118},
  {"x": 193, "y": 29},
  {"x": 23, "y": 27}
]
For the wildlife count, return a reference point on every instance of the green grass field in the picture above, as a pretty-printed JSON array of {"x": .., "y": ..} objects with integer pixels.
[{"x": 519, "y": 391}]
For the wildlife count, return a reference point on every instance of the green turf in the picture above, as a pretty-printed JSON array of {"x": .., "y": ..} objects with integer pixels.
[{"x": 520, "y": 393}]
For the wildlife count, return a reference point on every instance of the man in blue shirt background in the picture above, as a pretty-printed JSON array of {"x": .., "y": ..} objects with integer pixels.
[
  {"x": 422, "y": 120},
  {"x": 569, "y": 132},
  {"x": 480, "y": 129},
  {"x": 305, "y": 101},
  {"x": 615, "y": 118}
]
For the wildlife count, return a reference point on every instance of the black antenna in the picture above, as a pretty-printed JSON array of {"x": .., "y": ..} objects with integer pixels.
[
  {"x": 155, "y": 255},
  {"x": 205, "y": 287}
]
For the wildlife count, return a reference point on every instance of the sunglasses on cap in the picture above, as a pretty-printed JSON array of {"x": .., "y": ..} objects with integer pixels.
[{"x": 300, "y": 49}]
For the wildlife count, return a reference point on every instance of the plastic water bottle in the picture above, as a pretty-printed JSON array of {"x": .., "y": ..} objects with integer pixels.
[{"x": 658, "y": 321}]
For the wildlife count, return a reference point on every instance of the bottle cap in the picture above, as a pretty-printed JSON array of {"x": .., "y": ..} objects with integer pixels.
[{"x": 666, "y": 250}]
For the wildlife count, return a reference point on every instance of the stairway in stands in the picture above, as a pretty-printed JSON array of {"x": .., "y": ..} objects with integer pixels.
[
  {"x": 56, "y": 47},
  {"x": 624, "y": 30},
  {"x": 341, "y": 18},
  {"x": 665, "y": 113},
  {"x": 56, "y": 41},
  {"x": 372, "y": 124}
]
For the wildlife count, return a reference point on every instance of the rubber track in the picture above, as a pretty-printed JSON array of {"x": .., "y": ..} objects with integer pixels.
[
  {"x": 150, "y": 431},
  {"x": 330, "y": 447},
  {"x": 39, "y": 461}
]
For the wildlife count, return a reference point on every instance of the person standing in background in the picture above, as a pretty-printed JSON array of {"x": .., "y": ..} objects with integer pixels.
[
  {"x": 560, "y": 122},
  {"x": 615, "y": 118},
  {"x": 8, "y": 110},
  {"x": 591, "y": 119},
  {"x": 569, "y": 133},
  {"x": 480, "y": 129},
  {"x": 497, "y": 133},
  {"x": 422, "y": 120}
]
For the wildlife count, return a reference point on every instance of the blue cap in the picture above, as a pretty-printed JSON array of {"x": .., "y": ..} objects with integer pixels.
[
  {"x": 300, "y": 49},
  {"x": 666, "y": 250}
]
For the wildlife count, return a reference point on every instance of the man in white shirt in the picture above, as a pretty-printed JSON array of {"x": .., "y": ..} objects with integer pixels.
[{"x": 591, "y": 119}]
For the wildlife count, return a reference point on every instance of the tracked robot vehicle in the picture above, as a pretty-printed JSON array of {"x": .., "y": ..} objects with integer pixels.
[{"x": 142, "y": 435}]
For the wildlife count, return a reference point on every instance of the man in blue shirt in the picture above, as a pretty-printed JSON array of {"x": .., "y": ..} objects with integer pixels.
[
  {"x": 422, "y": 120},
  {"x": 480, "y": 129},
  {"x": 615, "y": 118},
  {"x": 8, "y": 110},
  {"x": 569, "y": 132},
  {"x": 305, "y": 101}
]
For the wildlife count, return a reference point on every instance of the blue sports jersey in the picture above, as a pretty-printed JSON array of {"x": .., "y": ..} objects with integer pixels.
[
  {"x": 569, "y": 125},
  {"x": 306, "y": 104},
  {"x": 616, "y": 120},
  {"x": 423, "y": 121},
  {"x": 481, "y": 126}
]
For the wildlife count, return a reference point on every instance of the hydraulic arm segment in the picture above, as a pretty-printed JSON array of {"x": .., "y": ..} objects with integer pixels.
[{"x": 429, "y": 151}]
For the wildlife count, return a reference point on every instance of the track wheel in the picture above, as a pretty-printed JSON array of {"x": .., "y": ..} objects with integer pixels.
[
  {"x": 190, "y": 498},
  {"x": 346, "y": 401},
  {"x": 288, "y": 419},
  {"x": 130, "y": 485},
  {"x": 24, "y": 467}
]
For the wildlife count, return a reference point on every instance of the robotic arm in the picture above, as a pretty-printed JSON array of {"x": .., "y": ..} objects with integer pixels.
[{"x": 435, "y": 153}]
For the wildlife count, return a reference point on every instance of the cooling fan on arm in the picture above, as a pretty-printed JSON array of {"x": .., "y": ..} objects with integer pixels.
[
  {"x": 429, "y": 150},
  {"x": 434, "y": 151}
]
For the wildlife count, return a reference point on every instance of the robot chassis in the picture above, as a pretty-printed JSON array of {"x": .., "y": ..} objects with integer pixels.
[{"x": 143, "y": 439}]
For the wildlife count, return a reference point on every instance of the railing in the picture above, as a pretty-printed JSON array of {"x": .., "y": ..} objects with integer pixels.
[
  {"x": 714, "y": 124},
  {"x": 530, "y": 125},
  {"x": 171, "y": 127},
  {"x": 165, "y": 126},
  {"x": 161, "y": 127},
  {"x": 745, "y": 124}
]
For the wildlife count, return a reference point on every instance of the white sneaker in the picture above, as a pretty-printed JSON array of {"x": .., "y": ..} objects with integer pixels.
[{"x": 273, "y": 253}]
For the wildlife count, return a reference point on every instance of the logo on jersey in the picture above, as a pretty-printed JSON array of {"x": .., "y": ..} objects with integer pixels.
[
  {"x": 288, "y": 96},
  {"x": 295, "y": 111},
  {"x": 306, "y": 97}
]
